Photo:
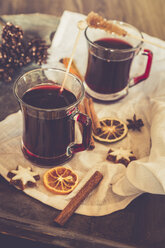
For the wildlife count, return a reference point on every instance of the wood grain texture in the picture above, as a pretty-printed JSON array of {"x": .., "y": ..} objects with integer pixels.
[{"x": 147, "y": 15}]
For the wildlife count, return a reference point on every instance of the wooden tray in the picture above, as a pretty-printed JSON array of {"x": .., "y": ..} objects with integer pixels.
[{"x": 141, "y": 224}]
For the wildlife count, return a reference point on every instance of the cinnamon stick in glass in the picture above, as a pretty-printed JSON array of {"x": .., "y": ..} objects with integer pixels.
[{"x": 67, "y": 212}]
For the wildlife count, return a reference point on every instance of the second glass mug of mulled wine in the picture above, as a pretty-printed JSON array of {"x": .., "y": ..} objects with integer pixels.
[
  {"x": 49, "y": 115},
  {"x": 110, "y": 57}
]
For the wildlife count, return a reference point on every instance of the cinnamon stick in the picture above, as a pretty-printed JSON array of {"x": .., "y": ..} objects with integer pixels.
[
  {"x": 67, "y": 212},
  {"x": 92, "y": 142},
  {"x": 97, "y": 126},
  {"x": 81, "y": 108},
  {"x": 89, "y": 108},
  {"x": 73, "y": 68}
]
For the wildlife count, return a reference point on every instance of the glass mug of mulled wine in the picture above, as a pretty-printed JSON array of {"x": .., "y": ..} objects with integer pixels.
[
  {"x": 49, "y": 115},
  {"x": 110, "y": 57}
]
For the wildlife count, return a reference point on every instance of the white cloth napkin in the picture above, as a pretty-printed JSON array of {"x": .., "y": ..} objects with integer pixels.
[
  {"x": 120, "y": 185},
  {"x": 146, "y": 100}
]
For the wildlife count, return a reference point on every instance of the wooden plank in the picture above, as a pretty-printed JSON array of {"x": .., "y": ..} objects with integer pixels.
[{"x": 148, "y": 15}]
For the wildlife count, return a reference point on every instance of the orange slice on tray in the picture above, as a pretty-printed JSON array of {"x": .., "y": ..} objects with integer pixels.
[
  {"x": 60, "y": 180},
  {"x": 112, "y": 130}
]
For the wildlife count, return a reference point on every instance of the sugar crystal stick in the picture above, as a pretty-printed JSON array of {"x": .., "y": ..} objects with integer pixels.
[
  {"x": 144, "y": 40},
  {"x": 81, "y": 26},
  {"x": 96, "y": 21}
]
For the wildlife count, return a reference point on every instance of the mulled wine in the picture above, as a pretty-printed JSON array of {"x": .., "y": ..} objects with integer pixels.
[
  {"x": 107, "y": 72},
  {"x": 47, "y": 133}
]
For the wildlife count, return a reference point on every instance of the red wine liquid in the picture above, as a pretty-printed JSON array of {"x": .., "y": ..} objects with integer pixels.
[
  {"x": 108, "y": 76},
  {"x": 47, "y": 134}
]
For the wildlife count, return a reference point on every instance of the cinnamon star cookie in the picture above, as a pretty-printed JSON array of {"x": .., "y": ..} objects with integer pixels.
[
  {"x": 120, "y": 156},
  {"x": 23, "y": 177}
]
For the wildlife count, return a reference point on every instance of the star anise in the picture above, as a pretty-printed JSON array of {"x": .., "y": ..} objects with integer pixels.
[{"x": 135, "y": 124}]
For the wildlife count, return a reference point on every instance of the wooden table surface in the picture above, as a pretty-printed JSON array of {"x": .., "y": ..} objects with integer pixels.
[
  {"x": 147, "y": 15},
  {"x": 144, "y": 219}
]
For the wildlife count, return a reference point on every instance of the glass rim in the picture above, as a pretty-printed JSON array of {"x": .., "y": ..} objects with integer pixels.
[
  {"x": 82, "y": 91},
  {"x": 116, "y": 49}
]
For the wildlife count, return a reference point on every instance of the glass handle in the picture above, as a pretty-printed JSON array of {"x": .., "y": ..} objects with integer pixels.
[
  {"x": 145, "y": 75},
  {"x": 86, "y": 123}
]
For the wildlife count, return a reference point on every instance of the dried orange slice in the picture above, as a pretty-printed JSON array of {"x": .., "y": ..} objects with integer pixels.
[
  {"x": 60, "y": 180},
  {"x": 112, "y": 130}
]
